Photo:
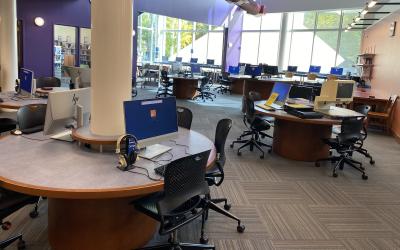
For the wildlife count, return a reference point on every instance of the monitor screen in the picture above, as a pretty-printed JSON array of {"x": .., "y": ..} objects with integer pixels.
[
  {"x": 178, "y": 59},
  {"x": 234, "y": 70},
  {"x": 26, "y": 78},
  {"x": 210, "y": 61},
  {"x": 270, "y": 70},
  {"x": 151, "y": 118},
  {"x": 337, "y": 71},
  {"x": 193, "y": 60},
  {"x": 253, "y": 70},
  {"x": 344, "y": 90},
  {"x": 292, "y": 68},
  {"x": 195, "y": 68},
  {"x": 282, "y": 89},
  {"x": 301, "y": 92},
  {"x": 314, "y": 69}
]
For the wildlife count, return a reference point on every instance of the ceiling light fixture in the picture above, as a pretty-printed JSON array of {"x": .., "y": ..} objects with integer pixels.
[
  {"x": 39, "y": 21},
  {"x": 364, "y": 11},
  {"x": 372, "y": 3}
]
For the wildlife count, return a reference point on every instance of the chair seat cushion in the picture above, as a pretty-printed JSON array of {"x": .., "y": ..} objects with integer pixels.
[{"x": 7, "y": 124}]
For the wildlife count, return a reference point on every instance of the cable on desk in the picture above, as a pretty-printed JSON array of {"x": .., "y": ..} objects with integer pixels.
[
  {"x": 34, "y": 139},
  {"x": 182, "y": 145},
  {"x": 147, "y": 174},
  {"x": 166, "y": 160}
]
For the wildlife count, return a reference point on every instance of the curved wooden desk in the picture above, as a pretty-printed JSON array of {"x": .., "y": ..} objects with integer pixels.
[
  {"x": 88, "y": 197},
  {"x": 12, "y": 101},
  {"x": 185, "y": 87},
  {"x": 299, "y": 139}
]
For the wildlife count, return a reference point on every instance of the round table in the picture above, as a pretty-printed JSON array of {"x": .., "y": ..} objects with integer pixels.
[
  {"x": 185, "y": 87},
  {"x": 299, "y": 139},
  {"x": 88, "y": 197}
]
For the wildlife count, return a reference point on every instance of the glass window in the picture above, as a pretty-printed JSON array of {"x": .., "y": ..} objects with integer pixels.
[
  {"x": 301, "y": 48},
  {"x": 348, "y": 16},
  {"x": 185, "y": 49},
  {"x": 271, "y": 21},
  {"x": 324, "y": 53},
  {"x": 249, "y": 48},
  {"x": 171, "y": 45},
  {"x": 65, "y": 48},
  {"x": 304, "y": 20},
  {"x": 85, "y": 47},
  {"x": 186, "y": 25},
  {"x": 171, "y": 23},
  {"x": 328, "y": 20},
  {"x": 350, "y": 43},
  {"x": 269, "y": 48},
  {"x": 200, "y": 46},
  {"x": 215, "y": 41},
  {"x": 251, "y": 22}
]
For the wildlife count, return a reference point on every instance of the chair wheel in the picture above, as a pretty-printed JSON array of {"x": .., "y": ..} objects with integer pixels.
[
  {"x": 204, "y": 240},
  {"x": 364, "y": 177},
  {"x": 262, "y": 157},
  {"x": 335, "y": 175},
  {"x": 372, "y": 162},
  {"x": 231, "y": 145},
  {"x": 270, "y": 151},
  {"x": 227, "y": 207},
  {"x": 34, "y": 214},
  {"x": 6, "y": 225},
  {"x": 317, "y": 164},
  {"x": 239, "y": 153},
  {"x": 21, "y": 244},
  {"x": 240, "y": 228},
  {"x": 341, "y": 167}
]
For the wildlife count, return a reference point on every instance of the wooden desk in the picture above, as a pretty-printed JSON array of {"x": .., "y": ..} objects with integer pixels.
[
  {"x": 242, "y": 85},
  {"x": 299, "y": 139},
  {"x": 88, "y": 197},
  {"x": 12, "y": 101},
  {"x": 185, "y": 87},
  {"x": 376, "y": 99}
]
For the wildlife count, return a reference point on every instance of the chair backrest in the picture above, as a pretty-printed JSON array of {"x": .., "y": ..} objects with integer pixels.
[
  {"x": 184, "y": 179},
  {"x": 185, "y": 117},
  {"x": 363, "y": 109},
  {"x": 391, "y": 103},
  {"x": 250, "y": 110},
  {"x": 31, "y": 118},
  {"x": 221, "y": 134},
  {"x": 289, "y": 74},
  {"x": 331, "y": 77},
  {"x": 351, "y": 129},
  {"x": 311, "y": 76},
  {"x": 52, "y": 82}
]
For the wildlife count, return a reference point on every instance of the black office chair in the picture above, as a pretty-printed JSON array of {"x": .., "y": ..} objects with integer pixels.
[
  {"x": 185, "y": 117},
  {"x": 10, "y": 202},
  {"x": 225, "y": 84},
  {"x": 345, "y": 144},
  {"x": 50, "y": 82},
  {"x": 364, "y": 109},
  {"x": 181, "y": 202},
  {"x": 31, "y": 118},
  {"x": 7, "y": 124},
  {"x": 166, "y": 84},
  {"x": 215, "y": 177},
  {"x": 203, "y": 91},
  {"x": 257, "y": 127}
]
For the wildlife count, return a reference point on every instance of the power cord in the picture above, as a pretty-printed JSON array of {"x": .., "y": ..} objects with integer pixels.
[
  {"x": 33, "y": 139},
  {"x": 147, "y": 174},
  {"x": 182, "y": 145}
]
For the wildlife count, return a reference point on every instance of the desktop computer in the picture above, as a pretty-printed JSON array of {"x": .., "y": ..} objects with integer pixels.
[
  {"x": 292, "y": 69},
  {"x": 336, "y": 71},
  {"x": 314, "y": 69},
  {"x": 178, "y": 59},
  {"x": 193, "y": 60},
  {"x": 210, "y": 61},
  {"x": 151, "y": 121},
  {"x": 302, "y": 92},
  {"x": 195, "y": 69},
  {"x": 26, "y": 84},
  {"x": 253, "y": 70},
  {"x": 334, "y": 92},
  {"x": 234, "y": 70},
  {"x": 64, "y": 109},
  {"x": 270, "y": 70}
]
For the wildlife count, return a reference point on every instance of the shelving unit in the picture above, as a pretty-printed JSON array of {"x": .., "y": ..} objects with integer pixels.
[
  {"x": 365, "y": 65},
  {"x": 85, "y": 54}
]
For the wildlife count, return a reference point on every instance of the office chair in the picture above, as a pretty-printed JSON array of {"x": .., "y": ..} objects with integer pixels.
[
  {"x": 257, "y": 126},
  {"x": 10, "y": 202},
  {"x": 215, "y": 177},
  {"x": 185, "y": 117},
  {"x": 31, "y": 118},
  {"x": 345, "y": 144},
  {"x": 204, "y": 94},
  {"x": 7, "y": 124},
  {"x": 225, "y": 84},
  {"x": 383, "y": 119},
  {"x": 50, "y": 82},
  {"x": 166, "y": 84},
  {"x": 181, "y": 202},
  {"x": 364, "y": 109}
]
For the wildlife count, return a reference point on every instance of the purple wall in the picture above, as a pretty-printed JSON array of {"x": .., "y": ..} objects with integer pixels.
[{"x": 38, "y": 41}]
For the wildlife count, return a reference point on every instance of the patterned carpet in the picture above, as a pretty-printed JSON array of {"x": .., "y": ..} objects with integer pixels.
[{"x": 284, "y": 204}]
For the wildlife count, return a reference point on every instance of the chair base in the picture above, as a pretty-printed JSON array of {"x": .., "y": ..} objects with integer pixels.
[
  {"x": 9, "y": 241},
  {"x": 179, "y": 246},
  {"x": 341, "y": 161},
  {"x": 253, "y": 142},
  {"x": 223, "y": 90},
  {"x": 204, "y": 95},
  {"x": 366, "y": 154}
]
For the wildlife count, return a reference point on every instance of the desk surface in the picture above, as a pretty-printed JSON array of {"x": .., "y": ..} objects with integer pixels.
[
  {"x": 186, "y": 78},
  {"x": 59, "y": 169},
  {"x": 11, "y": 101}
]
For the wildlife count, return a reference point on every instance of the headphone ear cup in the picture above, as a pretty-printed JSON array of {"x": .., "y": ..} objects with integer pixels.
[{"x": 122, "y": 162}]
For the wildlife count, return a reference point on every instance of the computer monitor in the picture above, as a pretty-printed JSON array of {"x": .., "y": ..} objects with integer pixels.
[
  {"x": 210, "y": 61},
  {"x": 193, "y": 60},
  {"x": 270, "y": 70},
  {"x": 292, "y": 69},
  {"x": 282, "y": 89},
  {"x": 234, "y": 70},
  {"x": 314, "y": 69},
  {"x": 336, "y": 71},
  {"x": 26, "y": 77},
  {"x": 195, "y": 68},
  {"x": 253, "y": 70},
  {"x": 301, "y": 92},
  {"x": 178, "y": 59},
  {"x": 334, "y": 92},
  {"x": 62, "y": 109},
  {"x": 151, "y": 120}
]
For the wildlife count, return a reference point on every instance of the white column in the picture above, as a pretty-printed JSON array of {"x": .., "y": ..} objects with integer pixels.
[
  {"x": 112, "y": 25},
  {"x": 8, "y": 45},
  {"x": 283, "y": 41}
]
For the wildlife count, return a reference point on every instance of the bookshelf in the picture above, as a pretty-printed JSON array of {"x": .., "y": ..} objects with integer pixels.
[{"x": 365, "y": 65}]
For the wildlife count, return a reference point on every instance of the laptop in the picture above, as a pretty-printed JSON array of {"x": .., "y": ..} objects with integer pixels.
[
  {"x": 279, "y": 95},
  {"x": 153, "y": 151}
]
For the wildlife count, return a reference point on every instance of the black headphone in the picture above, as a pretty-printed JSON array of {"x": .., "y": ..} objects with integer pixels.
[{"x": 127, "y": 156}]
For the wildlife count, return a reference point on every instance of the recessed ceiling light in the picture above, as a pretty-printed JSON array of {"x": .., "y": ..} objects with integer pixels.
[
  {"x": 39, "y": 21},
  {"x": 364, "y": 11},
  {"x": 372, "y": 3}
]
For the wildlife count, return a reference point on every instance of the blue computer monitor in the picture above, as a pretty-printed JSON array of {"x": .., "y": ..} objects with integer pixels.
[
  {"x": 314, "y": 69},
  {"x": 282, "y": 89},
  {"x": 193, "y": 60},
  {"x": 195, "y": 68},
  {"x": 234, "y": 70},
  {"x": 210, "y": 61},
  {"x": 336, "y": 71},
  {"x": 253, "y": 70},
  {"x": 151, "y": 120},
  {"x": 26, "y": 80},
  {"x": 178, "y": 59},
  {"x": 292, "y": 69}
]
